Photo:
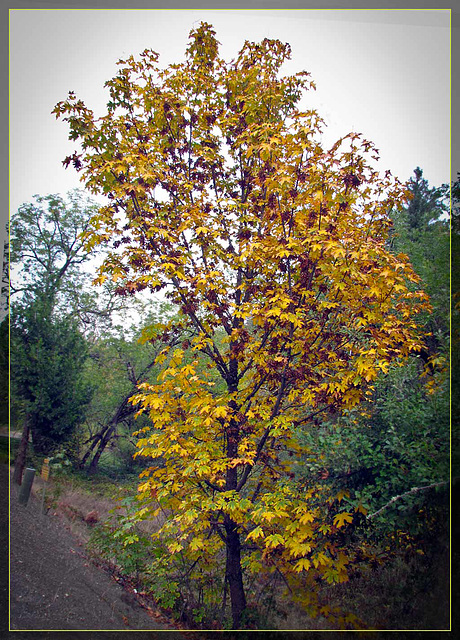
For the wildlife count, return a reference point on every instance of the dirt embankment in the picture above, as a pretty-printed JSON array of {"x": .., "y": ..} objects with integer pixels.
[{"x": 54, "y": 584}]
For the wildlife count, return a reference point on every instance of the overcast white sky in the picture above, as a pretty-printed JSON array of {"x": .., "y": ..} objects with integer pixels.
[{"x": 384, "y": 73}]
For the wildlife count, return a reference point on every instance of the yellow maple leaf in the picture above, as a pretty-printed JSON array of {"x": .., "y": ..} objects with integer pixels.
[
  {"x": 341, "y": 518},
  {"x": 302, "y": 565}
]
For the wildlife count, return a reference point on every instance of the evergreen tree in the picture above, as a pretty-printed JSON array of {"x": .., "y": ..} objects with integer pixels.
[
  {"x": 425, "y": 205},
  {"x": 49, "y": 354},
  {"x": 421, "y": 230}
]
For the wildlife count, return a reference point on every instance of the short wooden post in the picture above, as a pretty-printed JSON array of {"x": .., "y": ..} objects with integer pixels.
[
  {"x": 26, "y": 486},
  {"x": 45, "y": 477}
]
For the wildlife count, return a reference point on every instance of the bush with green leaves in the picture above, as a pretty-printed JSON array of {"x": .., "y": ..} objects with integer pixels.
[
  {"x": 402, "y": 443},
  {"x": 190, "y": 591}
]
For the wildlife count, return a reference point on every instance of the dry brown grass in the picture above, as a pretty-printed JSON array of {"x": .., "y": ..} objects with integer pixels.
[{"x": 73, "y": 502}]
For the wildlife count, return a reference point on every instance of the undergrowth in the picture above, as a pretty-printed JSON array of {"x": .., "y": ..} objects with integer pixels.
[{"x": 407, "y": 589}]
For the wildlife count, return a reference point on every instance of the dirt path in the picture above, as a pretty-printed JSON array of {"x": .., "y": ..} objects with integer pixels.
[{"x": 55, "y": 586}]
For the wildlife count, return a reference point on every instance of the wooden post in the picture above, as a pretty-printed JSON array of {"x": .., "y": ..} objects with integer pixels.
[
  {"x": 45, "y": 476},
  {"x": 26, "y": 486}
]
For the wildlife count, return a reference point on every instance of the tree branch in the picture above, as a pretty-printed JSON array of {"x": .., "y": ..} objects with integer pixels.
[{"x": 403, "y": 495}]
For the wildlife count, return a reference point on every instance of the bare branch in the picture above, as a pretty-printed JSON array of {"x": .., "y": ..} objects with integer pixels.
[{"x": 403, "y": 495}]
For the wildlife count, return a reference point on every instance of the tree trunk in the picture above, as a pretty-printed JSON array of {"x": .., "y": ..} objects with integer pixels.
[
  {"x": 106, "y": 434},
  {"x": 20, "y": 462},
  {"x": 97, "y": 437},
  {"x": 234, "y": 574},
  {"x": 103, "y": 442}
]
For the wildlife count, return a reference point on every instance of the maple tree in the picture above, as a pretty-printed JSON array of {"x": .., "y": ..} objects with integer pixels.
[{"x": 273, "y": 248}]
